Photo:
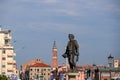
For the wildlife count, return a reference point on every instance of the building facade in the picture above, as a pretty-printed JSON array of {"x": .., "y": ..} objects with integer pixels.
[
  {"x": 116, "y": 63},
  {"x": 104, "y": 73},
  {"x": 40, "y": 71},
  {"x": 35, "y": 69},
  {"x": 7, "y": 54},
  {"x": 24, "y": 66}
]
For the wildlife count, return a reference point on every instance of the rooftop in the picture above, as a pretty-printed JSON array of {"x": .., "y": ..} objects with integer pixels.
[{"x": 40, "y": 65}]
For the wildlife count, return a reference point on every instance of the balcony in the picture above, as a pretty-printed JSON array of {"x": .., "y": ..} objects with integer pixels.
[
  {"x": 7, "y": 37},
  {"x": 11, "y": 54},
  {"x": 11, "y": 61},
  {"x": 8, "y": 44},
  {"x": 10, "y": 70}
]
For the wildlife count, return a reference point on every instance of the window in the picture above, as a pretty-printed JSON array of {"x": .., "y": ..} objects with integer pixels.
[
  {"x": 48, "y": 69},
  {"x": 3, "y": 51},
  {"x": 6, "y": 41},
  {"x": 10, "y": 70},
  {"x": 10, "y": 56},
  {"x": 38, "y": 70},
  {"x": 10, "y": 63},
  {"x": 48, "y": 73},
  {"x": 44, "y": 69},
  {"x": 3, "y": 73},
  {"x": 3, "y": 58},
  {"x": 3, "y": 66}
]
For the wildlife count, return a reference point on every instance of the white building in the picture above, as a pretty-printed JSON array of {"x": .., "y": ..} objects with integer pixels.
[
  {"x": 116, "y": 63},
  {"x": 7, "y": 62}
]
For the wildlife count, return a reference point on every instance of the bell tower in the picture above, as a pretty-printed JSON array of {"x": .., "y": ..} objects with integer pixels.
[{"x": 54, "y": 56}]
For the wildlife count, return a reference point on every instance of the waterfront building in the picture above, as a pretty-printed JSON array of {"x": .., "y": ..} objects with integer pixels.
[
  {"x": 40, "y": 71},
  {"x": 35, "y": 69},
  {"x": 24, "y": 66},
  {"x": 7, "y": 54}
]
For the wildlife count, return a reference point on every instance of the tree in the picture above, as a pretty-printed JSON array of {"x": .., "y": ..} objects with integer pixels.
[{"x": 2, "y": 77}]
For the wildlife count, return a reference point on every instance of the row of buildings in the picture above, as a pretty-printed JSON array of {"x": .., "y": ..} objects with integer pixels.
[{"x": 38, "y": 69}]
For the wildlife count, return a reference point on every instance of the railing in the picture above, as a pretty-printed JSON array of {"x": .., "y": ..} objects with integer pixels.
[
  {"x": 11, "y": 54},
  {"x": 7, "y": 37},
  {"x": 11, "y": 61}
]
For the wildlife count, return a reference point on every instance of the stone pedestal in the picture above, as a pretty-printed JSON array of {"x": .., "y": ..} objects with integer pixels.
[{"x": 72, "y": 76}]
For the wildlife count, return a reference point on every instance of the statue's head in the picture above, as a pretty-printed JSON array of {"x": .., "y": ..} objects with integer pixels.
[{"x": 71, "y": 36}]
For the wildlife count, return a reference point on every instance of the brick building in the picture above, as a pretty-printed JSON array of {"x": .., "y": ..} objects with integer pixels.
[{"x": 54, "y": 56}]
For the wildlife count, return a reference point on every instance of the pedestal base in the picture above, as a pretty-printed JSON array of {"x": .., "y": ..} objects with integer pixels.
[{"x": 72, "y": 76}]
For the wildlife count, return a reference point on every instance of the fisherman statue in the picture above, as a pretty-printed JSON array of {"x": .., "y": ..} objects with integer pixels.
[{"x": 72, "y": 52}]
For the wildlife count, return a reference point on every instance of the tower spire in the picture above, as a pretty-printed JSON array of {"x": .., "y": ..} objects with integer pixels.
[{"x": 54, "y": 45}]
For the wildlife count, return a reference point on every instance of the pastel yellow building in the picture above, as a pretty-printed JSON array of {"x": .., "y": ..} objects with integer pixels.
[{"x": 7, "y": 62}]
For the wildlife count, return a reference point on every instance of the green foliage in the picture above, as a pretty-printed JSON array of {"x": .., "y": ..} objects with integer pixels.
[{"x": 2, "y": 77}]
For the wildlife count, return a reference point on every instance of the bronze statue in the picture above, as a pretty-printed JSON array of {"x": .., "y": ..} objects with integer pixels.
[{"x": 72, "y": 52}]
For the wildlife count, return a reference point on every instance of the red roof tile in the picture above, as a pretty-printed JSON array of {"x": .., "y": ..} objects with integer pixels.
[{"x": 40, "y": 65}]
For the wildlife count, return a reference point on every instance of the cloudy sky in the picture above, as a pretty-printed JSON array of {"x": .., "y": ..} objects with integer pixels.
[{"x": 36, "y": 24}]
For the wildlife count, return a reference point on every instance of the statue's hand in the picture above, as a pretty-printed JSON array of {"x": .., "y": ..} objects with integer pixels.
[{"x": 64, "y": 55}]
